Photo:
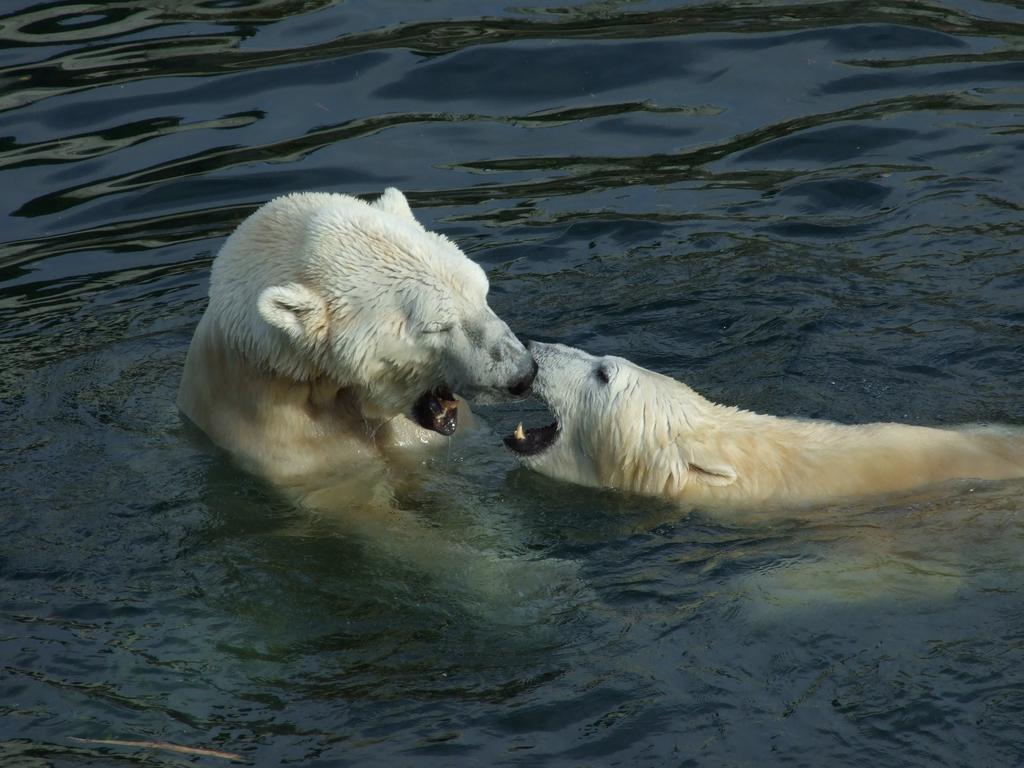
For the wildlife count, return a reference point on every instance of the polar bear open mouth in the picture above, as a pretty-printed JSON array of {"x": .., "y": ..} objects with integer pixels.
[
  {"x": 529, "y": 442},
  {"x": 437, "y": 409}
]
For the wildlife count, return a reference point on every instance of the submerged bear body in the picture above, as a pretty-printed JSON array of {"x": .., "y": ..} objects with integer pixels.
[{"x": 622, "y": 426}]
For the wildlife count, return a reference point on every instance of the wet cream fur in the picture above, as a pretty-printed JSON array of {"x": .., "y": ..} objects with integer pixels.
[
  {"x": 328, "y": 317},
  {"x": 649, "y": 434}
]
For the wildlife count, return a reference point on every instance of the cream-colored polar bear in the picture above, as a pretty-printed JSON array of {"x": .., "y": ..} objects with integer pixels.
[
  {"x": 621, "y": 426},
  {"x": 336, "y": 334}
]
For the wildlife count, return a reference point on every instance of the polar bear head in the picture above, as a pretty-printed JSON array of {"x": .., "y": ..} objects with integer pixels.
[
  {"x": 318, "y": 286},
  {"x": 618, "y": 425}
]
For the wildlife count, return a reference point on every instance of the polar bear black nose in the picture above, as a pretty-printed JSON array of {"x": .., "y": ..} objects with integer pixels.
[{"x": 523, "y": 385}]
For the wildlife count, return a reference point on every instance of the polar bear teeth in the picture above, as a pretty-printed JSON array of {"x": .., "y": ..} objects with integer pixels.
[
  {"x": 437, "y": 410},
  {"x": 527, "y": 442}
]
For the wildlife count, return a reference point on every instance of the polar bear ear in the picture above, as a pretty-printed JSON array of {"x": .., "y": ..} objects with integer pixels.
[
  {"x": 296, "y": 310},
  {"x": 394, "y": 202},
  {"x": 673, "y": 465},
  {"x": 713, "y": 474},
  {"x": 703, "y": 466}
]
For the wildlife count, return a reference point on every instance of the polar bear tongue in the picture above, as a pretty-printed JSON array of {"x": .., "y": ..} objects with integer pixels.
[{"x": 437, "y": 409}]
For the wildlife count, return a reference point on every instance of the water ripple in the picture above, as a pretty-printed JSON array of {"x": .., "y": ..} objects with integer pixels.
[{"x": 811, "y": 209}]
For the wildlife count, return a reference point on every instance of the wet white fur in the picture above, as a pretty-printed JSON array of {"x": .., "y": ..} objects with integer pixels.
[
  {"x": 649, "y": 434},
  {"x": 328, "y": 317}
]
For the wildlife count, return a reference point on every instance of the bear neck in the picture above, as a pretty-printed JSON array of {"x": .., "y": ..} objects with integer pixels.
[
  {"x": 242, "y": 401},
  {"x": 784, "y": 460}
]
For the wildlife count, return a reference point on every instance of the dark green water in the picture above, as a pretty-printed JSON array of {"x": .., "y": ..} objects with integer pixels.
[{"x": 811, "y": 209}]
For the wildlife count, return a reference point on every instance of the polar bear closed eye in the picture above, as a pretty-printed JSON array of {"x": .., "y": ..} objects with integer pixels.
[
  {"x": 339, "y": 332},
  {"x": 621, "y": 426}
]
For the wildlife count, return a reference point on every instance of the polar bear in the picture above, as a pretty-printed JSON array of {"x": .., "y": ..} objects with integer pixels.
[
  {"x": 339, "y": 335},
  {"x": 621, "y": 426}
]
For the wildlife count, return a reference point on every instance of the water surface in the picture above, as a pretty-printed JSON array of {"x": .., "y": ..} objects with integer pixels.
[{"x": 808, "y": 209}]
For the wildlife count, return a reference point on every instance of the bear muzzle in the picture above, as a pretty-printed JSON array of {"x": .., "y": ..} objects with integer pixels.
[{"x": 522, "y": 386}]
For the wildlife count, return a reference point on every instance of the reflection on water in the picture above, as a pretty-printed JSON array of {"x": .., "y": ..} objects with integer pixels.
[{"x": 806, "y": 209}]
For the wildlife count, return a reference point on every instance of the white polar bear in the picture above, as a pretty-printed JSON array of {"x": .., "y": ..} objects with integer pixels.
[
  {"x": 336, "y": 332},
  {"x": 621, "y": 426}
]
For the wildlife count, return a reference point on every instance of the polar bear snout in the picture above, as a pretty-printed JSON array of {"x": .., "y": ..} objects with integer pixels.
[
  {"x": 522, "y": 386},
  {"x": 517, "y": 371},
  {"x": 487, "y": 363},
  {"x": 511, "y": 361},
  {"x": 531, "y": 442}
]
